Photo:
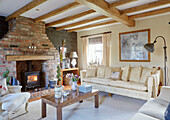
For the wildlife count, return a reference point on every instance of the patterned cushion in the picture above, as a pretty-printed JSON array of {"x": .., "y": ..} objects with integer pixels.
[
  {"x": 125, "y": 72},
  {"x": 101, "y": 72},
  {"x": 3, "y": 87},
  {"x": 90, "y": 72},
  {"x": 115, "y": 75},
  {"x": 107, "y": 72},
  {"x": 135, "y": 74}
]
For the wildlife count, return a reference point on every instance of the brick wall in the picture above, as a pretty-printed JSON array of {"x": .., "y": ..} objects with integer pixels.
[{"x": 23, "y": 32}]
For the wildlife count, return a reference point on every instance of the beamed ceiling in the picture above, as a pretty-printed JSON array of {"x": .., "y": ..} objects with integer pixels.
[{"x": 79, "y": 15}]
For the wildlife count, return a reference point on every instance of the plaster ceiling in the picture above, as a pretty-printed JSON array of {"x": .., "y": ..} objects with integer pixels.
[{"x": 9, "y": 6}]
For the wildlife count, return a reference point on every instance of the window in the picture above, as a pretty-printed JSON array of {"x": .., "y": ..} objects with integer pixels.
[{"x": 95, "y": 51}]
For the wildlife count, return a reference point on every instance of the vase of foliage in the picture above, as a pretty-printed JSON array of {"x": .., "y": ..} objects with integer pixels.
[
  {"x": 73, "y": 82},
  {"x": 52, "y": 78},
  {"x": 58, "y": 88},
  {"x": 5, "y": 75}
]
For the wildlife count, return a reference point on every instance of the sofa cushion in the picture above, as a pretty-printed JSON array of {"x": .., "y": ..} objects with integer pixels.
[
  {"x": 101, "y": 71},
  {"x": 107, "y": 72},
  {"x": 97, "y": 80},
  {"x": 145, "y": 73},
  {"x": 125, "y": 72},
  {"x": 128, "y": 85},
  {"x": 141, "y": 116},
  {"x": 90, "y": 72},
  {"x": 115, "y": 75},
  {"x": 155, "y": 108},
  {"x": 135, "y": 74}
]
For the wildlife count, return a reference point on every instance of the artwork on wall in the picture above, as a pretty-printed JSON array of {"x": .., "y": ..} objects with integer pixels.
[{"x": 131, "y": 46}]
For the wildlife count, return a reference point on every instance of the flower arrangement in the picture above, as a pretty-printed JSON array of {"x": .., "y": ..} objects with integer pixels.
[{"x": 74, "y": 78}]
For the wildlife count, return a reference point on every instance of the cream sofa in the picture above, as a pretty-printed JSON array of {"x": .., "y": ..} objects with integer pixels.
[
  {"x": 126, "y": 88},
  {"x": 154, "y": 108},
  {"x": 13, "y": 101}
]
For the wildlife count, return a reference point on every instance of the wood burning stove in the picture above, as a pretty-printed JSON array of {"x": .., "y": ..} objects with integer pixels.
[{"x": 30, "y": 79}]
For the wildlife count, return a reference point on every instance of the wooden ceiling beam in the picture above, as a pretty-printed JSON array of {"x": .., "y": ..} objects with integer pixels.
[
  {"x": 93, "y": 25},
  {"x": 145, "y": 6},
  {"x": 58, "y": 11},
  {"x": 82, "y": 22},
  {"x": 120, "y": 2},
  {"x": 102, "y": 7},
  {"x": 70, "y": 18},
  {"x": 146, "y": 14},
  {"x": 150, "y": 13},
  {"x": 25, "y": 8}
]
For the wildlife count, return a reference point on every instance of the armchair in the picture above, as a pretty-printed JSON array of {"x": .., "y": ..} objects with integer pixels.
[{"x": 13, "y": 101}]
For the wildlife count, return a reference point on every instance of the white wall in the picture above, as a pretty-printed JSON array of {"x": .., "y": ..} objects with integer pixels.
[{"x": 157, "y": 26}]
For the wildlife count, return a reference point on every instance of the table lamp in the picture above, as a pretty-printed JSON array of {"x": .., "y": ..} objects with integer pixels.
[{"x": 73, "y": 55}]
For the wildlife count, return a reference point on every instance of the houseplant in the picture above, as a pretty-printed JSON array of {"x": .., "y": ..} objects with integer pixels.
[
  {"x": 5, "y": 75},
  {"x": 58, "y": 88}
]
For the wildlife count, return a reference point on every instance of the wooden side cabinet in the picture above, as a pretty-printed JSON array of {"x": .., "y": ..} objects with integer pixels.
[{"x": 70, "y": 70}]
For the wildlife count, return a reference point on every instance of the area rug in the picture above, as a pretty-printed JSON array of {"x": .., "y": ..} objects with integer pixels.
[{"x": 111, "y": 108}]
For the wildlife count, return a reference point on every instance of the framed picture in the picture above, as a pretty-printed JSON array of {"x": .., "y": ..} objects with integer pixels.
[{"x": 131, "y": 46}]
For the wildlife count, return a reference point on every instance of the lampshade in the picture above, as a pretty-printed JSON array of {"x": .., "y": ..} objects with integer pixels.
[
  {"x": 149, "y": 47},
  {"x": 73, "y": 55}
]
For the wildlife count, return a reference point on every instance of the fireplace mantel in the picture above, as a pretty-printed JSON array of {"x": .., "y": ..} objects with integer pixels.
[{"x": 28, "y": 57}]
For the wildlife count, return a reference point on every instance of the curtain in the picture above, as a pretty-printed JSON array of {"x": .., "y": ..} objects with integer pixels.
[
  {"x": 84, "y": 55},
  {"x": 106, "y": 49}
]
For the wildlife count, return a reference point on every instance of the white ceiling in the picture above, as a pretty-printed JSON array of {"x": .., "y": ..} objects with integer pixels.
[{"x": 9, "y": 6}]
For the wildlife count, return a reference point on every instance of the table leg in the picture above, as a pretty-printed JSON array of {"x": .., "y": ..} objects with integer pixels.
[
  {"x": 43, "y": 109},
  {"x": 97, "y": 100},
  {"x": 59, "y": 113}
]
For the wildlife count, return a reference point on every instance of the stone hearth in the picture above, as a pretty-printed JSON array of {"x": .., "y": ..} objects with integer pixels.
[{"x": 23, "y": 33}]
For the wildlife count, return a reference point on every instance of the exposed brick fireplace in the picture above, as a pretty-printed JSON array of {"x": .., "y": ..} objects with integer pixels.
[{"x": 24, "y": 34}]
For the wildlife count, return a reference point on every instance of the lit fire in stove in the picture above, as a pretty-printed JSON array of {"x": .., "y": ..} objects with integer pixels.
[{"x": 32, "y": 78}]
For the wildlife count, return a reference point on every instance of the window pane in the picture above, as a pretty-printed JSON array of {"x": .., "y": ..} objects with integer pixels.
[{"x": 95, "y": 51}]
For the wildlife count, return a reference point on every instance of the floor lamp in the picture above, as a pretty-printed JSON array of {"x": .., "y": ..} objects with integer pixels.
[{"x": 150, "y": 47}]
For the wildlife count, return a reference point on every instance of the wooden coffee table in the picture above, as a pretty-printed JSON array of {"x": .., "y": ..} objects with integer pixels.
[{"x": 70, "y": 99}]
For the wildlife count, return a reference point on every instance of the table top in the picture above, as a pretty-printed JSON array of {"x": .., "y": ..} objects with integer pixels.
[{"x": 73, "y": 97}]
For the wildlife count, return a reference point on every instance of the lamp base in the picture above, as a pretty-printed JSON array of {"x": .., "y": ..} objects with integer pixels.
[{"x": 73, "y": 62}]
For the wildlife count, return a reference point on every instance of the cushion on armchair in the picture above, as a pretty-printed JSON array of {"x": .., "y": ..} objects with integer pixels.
[
  {"x": 3, "y": 87},
  {"x": 13, "y": 101},
  {"x": 14, "y": 89}
]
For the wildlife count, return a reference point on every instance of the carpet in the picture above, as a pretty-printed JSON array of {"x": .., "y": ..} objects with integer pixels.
[{"x": 111, "y": 108}]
